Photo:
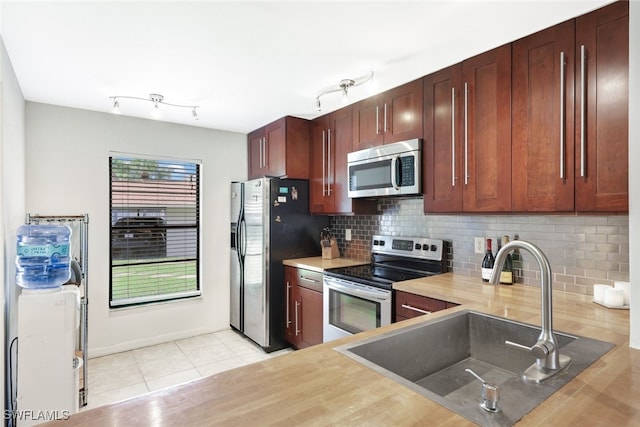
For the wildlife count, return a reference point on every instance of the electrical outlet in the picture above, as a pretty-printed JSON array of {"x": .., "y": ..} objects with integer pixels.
[
  {"x": 347, "y": 234},
  {"x": 479, "y": 245}
]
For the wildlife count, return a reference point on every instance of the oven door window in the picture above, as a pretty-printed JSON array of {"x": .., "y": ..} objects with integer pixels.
[
  {"x": 367, "y": 176},
  {"x": 351, "y": 313}
]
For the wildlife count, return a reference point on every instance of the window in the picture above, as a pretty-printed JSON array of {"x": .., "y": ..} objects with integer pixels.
[{"x": 155, "y": 230}]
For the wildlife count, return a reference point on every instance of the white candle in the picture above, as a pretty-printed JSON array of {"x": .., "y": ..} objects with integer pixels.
[
  {"x": 625, "y": 287},
  {"x": 614, "y": 297},
  {"x": 598, "y": 292}
]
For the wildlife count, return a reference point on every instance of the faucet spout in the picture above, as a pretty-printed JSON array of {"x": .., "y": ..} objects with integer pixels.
[{"x": 548, "y": 358}]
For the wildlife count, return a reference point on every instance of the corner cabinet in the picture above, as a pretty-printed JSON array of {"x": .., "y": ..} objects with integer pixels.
[
  {"x": 602, "y": 113},
  {"x": 303, "y": 307},
  {"x": 467, "y": 138},
  {"x": 280, "y": 149},
  {"x": 392, "y": 116}
]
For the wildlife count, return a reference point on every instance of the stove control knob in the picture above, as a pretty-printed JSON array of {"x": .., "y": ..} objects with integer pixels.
[
  {"x": 418, "y": 246},
  {"x": 376, "y": 242},
  {"x": 425, "y": 247},
  {"x": 434, "y": 248}
]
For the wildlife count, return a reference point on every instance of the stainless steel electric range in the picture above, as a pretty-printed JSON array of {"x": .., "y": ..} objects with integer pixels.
[{"x": 360, "y": 298}]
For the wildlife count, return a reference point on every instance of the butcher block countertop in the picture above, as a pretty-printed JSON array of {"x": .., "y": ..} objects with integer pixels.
[
  {"x": 319, "y": 386},
  {"x": 318, "y": 264}
]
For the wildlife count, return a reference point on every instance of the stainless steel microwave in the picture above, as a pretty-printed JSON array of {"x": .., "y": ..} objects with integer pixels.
[{"x": 386, "y": 170}]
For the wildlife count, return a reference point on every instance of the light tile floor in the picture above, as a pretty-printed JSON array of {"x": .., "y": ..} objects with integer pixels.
[{"x": 132, "y": 373}]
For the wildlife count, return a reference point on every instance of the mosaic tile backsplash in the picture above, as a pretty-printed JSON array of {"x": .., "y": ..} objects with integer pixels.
[{"x": 582, "y": 249}]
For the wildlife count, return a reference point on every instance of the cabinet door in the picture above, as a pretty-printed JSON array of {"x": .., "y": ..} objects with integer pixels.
[
  {"x": 318, "y": 198},
  {"x": 257, "y": 165},
  {"x": 441, "y": 181},
  {"x": 542, "y": 136},
  {"x": 402, "y": 116},
  {"x": 367, "y": 124},
  {"x": 602, "y": 109},
  {"x": 276, "y": 146},
  {"x": 309, "y": 316},
  {"x": 486, "y": 137},
  {"x": 341, "y": 141},
  {"x": 410, "y": 305}
]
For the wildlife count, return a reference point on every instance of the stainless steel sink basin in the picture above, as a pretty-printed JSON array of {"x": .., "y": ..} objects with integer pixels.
[{"x": 431, "y": 358}]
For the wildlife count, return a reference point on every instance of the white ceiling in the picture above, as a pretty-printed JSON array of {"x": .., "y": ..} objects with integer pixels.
[{"x": 248, "y": 63}]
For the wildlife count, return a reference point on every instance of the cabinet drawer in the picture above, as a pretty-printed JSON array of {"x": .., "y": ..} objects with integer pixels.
[
  {"x": 309, "y": 279},
  {"x": 412, "y": 305}
]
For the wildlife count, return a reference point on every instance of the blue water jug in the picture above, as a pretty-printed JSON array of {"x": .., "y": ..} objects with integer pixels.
[{"x": 43, "y": 256}]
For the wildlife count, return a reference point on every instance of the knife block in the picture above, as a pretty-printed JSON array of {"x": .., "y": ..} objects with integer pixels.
[{"x": 330, "y": 248}]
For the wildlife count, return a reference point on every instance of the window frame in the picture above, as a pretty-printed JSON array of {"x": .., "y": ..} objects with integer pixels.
[{"x": 159, "y": 226}]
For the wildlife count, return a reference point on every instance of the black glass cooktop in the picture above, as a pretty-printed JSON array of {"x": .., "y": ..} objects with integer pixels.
[{"x": 380, "y": 277}]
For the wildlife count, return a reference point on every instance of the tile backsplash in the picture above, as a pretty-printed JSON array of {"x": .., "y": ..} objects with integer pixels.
[{"x": 582, "y": 249}]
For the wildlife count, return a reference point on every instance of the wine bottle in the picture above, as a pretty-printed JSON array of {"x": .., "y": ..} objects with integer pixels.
[
  {"x": 487, "y": 263},
  {"x": 506, "y": 275}
]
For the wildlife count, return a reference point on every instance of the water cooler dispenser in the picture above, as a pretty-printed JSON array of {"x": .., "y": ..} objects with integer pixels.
[
  {"x": 48, "y": 326},
  {"x": 48, "y": 369}
]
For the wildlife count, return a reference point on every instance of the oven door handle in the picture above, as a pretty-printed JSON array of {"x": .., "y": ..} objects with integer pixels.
[{"x": 378, "y": 295}]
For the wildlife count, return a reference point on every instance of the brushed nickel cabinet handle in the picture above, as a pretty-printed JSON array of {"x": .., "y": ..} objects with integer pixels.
[
  {"x": 385, "y": 118},
  {"x": 562, "y": 127},
  {"x": 466, "y": 135},
  {"x": 453, "y": 136},
  {"x": 412, "y": 308},
  {"x": 583, "y": 166},
  {"x": 297, "y": 328},
  {"x": 328, "y": 162},
  {"x": 324, "y": 155},
  {"x": 287, "y": 304}
]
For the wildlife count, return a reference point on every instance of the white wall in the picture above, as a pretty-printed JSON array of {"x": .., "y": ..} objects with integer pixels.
[
  {"x": 67, "y": 154},
  {"x": 634, "y": 171},
  {"x": 12, "y": 195}
]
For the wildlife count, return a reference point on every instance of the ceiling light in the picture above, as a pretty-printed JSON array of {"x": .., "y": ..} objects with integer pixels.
[
  {"x": 343, "y": 87},
  {"x": 157, "y": 100}
]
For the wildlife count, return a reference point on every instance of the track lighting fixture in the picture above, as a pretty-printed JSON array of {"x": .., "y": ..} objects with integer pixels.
[
  {"x": 157, "y": 100},
  {"x": 343, "y": 87}
]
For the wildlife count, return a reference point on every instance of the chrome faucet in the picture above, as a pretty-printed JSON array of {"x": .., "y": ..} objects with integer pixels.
[{"x": 549, "y": 361}]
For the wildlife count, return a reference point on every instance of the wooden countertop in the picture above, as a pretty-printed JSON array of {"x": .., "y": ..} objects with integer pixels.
[
  {"x": 319, "y": 386},
  {"x": 319, "y": 264}
]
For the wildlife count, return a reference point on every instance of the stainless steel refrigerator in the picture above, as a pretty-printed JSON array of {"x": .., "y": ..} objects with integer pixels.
[{"x": 270, "y": 222}]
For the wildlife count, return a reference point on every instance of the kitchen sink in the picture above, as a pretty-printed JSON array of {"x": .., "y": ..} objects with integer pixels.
[{"x": 431, "y": 358}]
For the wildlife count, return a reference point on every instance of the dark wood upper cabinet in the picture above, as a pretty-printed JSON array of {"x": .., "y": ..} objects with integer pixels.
[
  {"x": 280, "y": 149},
  {"x": 542, "y": 124},
  {"x": 486, "y": 135},
  {"x": 467, "y": 138},
  {"x": 331, "y": 141},
  {"x": 392, "y": 116},
  {"x": 441, "y": 178},
  {"x": 602, "y": 114}
]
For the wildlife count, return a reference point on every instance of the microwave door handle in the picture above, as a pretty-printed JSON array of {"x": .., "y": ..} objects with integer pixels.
[{"x": 394, "y": 173}]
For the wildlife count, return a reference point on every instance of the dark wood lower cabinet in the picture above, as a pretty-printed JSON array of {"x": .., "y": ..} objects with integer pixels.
[
  {"x": 303, "y": 299},
  {"x": 408, "y": 305}
]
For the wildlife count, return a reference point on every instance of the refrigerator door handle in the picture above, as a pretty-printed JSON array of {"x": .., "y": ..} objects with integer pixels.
[{"x": 242, "y": 244}]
